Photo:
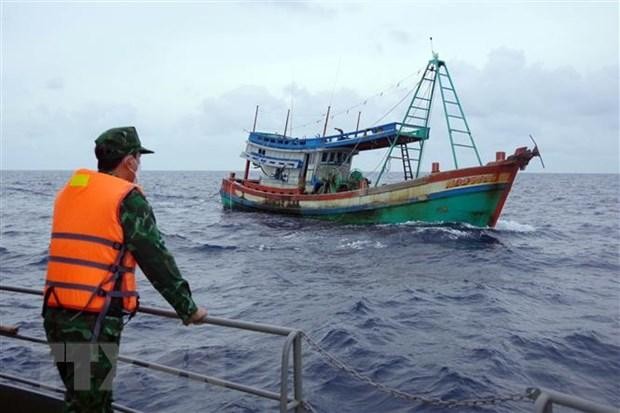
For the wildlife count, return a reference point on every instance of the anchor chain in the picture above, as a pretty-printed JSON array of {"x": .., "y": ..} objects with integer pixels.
[{"x": 334, "y": 362}]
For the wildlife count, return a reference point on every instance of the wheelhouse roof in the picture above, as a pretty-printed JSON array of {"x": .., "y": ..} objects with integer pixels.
[{"x": 376, "y": 137}]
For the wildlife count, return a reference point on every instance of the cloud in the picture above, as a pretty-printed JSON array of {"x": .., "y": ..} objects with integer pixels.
[
  {"x": 574, "y": 117},
  {"x": 45, "y": 136},
  {"x": 55, "y": 83},
  {"x": 399, "y": 36},
  {"x": 304, "y": 8}
]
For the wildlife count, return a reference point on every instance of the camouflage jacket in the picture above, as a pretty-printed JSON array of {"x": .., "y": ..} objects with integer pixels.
[{"x": 143, "y": 239}]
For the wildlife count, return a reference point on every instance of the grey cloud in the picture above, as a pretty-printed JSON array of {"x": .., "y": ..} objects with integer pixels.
[
  {"x": 55, "y": 83},
  {"x": 47, "y": 137},
  {"x": 304, "y": 8},
  {"x": 570, "y": 113},
  {"x": 574, "y": 117},
  {"x": 399, "y": 36}
]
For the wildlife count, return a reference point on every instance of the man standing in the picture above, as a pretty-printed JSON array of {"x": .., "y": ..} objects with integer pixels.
[{"x": 102, "y": 226}]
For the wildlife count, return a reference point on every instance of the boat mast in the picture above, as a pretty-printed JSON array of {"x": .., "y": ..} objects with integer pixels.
[
  {"x": 246, "y": 173},
  {"x": 417, "y": 118},
  {"x": 326, "y": 118},
  {"x": 286, "y": 123},
  {"x": 255, "y": 117},
  {"x": 458, "y": 128}
]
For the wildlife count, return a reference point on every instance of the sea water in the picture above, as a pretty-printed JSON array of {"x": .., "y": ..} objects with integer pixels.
[{"x": 445, "y": 311}]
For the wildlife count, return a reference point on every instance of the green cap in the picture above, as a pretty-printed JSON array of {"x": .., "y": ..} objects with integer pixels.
[{"x": 116, "y": 143}]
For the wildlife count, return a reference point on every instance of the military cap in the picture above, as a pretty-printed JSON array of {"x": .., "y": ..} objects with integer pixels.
[{"x": 116, "y": 143}]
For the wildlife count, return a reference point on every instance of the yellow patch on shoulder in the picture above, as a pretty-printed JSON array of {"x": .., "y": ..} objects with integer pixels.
[{"x": 79, "y": 180}]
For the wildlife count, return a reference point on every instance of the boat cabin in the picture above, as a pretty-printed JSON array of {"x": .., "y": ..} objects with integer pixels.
[{"x": 322, "y": 164}]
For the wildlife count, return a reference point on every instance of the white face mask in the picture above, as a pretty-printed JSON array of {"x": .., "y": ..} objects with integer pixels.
[{"x": 135, "y": 171}]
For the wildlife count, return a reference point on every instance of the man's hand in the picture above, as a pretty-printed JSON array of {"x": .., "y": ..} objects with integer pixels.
[{"x": 198, "y": 317}]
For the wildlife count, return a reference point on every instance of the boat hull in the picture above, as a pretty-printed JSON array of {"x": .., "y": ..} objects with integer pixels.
[{"x": 474, "y": 196}]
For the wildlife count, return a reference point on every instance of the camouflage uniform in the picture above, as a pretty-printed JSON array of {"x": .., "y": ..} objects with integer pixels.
[{"x": 143, "y": 239}]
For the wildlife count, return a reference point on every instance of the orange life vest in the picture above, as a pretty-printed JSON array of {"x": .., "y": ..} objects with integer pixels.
[{"x": 88, "y": 262}]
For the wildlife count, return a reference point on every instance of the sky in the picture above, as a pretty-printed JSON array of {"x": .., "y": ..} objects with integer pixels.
[{"x": 189, "y": 75}]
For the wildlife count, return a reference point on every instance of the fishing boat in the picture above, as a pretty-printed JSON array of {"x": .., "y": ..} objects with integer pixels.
[{"x": 313, "y": 177}]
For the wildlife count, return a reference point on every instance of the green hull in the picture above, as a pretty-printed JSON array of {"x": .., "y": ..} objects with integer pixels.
[{"x": 474, "y": 208}]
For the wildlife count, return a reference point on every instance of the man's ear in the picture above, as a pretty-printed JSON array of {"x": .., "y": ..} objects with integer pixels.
[{"x": 127, "y": 162}]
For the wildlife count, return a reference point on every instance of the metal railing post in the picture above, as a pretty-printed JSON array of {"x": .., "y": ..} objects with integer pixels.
[
  {"x": 297, "y": 368},
  {"x": 544, "y": 400},
  {"x": 543, "y": 404},
  {"x": 286, "y": 351}
]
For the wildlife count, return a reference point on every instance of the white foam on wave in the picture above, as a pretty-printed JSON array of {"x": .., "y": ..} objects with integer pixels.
[
  {"x": 360, "y": 244},
  {"x": 513, "y": 226},
  {"x": 451, "y": 233},
  {"x": 464, "y": 230}
]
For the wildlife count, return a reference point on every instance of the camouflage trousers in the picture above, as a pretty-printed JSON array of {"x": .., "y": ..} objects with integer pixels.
[{"x": 87, "y": 369}]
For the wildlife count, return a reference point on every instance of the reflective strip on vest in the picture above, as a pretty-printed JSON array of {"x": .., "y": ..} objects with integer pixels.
[
  {"x": 87, "y": 238},
  {"x": 74, "y": 261}
]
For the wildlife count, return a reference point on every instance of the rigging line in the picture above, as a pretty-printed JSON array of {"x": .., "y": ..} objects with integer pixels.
[
  {"x": 380, "y": 93},
  {"x": 381, "y": 162},
  {"x": 393, "y": 107},
  {"x": 383, "y": 93},
  {"x": 348, "y": 159},
  {"x": 386, "y": 89},
  {"x": 347, "y": 110},
  {"x": 331, "y": 98},
  {"x": 362, "y": 102}
]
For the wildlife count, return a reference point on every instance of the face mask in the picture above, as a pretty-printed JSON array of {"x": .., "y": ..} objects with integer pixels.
[{"x": 135, "y": 171}]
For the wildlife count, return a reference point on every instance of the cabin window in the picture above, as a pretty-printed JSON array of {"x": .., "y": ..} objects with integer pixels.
[{"x": 324, "y": 157}]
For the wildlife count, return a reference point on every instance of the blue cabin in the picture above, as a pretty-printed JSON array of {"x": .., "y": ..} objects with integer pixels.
[{"x": 308, "y": 164}]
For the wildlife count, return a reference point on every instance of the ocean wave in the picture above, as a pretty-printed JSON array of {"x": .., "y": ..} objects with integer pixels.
[
  {"x": 453, "y": 384},
  {"x": 13, "y": 233},
  {"x": 338, "y": 338},
  {"x": 41, "y": 262},
  {"x": 173, "y": 236},
  {"x": 469, "y": 298},
  {"x": 360, "y": 244},
  {"x": 361, "y": 307},
  {"x": 446, "y": 232},
  {"x": 26, "y": 190},
  {"x": 265, "y": 247},
  {"x": 514, "y": 226},
  {"x": 212, "y": 248},
  {"x": 584, "y": 351}
]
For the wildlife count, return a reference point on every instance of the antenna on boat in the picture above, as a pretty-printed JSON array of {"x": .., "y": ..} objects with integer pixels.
[
  {"x": 255, "y": 116},
  {"x": 357, "y": 127},
  {"x": 326, "y": 118},
  {"x": 435, "y": 55}
]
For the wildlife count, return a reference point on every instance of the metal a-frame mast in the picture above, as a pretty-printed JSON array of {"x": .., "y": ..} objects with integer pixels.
[{"x": 417, "y": 118}]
